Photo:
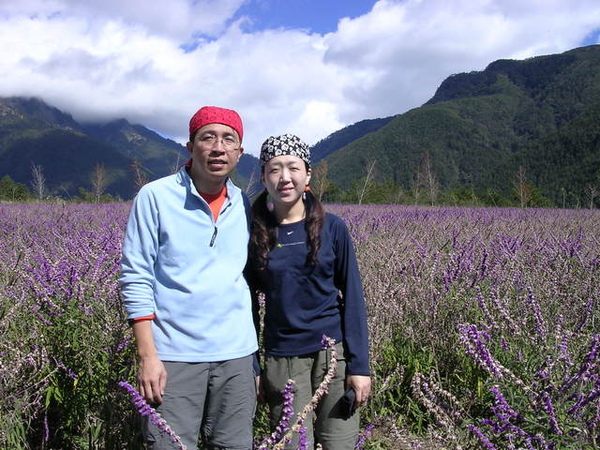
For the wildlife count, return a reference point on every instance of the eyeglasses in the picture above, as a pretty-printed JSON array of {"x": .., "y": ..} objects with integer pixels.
[{"x": 208, "y": 141}]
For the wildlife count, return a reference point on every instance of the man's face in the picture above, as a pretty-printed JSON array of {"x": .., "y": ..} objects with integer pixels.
[{"x": 216, "y": 150}]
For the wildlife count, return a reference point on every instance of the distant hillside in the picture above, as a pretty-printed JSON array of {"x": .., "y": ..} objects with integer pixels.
[
  {"x": 541, "y": 114},
  {"x": 138, "y": 143},
  {"x": 345, "y": 136},
  {"x": 34, "y": 133}
]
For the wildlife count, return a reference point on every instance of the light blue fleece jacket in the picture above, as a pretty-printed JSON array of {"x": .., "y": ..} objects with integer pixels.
[{"x": 187, "y": 270}]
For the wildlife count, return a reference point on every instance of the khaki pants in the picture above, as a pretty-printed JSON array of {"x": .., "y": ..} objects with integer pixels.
[
  {"x": 216, "y": 400},
  {"x": 330, "y": 429}
]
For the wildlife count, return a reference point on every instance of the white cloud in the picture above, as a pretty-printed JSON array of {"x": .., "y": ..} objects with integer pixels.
[
  {"x": 156, "y": 63},
  {"x": 408, "y": 48},
  {"x": 175, "y": 19}
]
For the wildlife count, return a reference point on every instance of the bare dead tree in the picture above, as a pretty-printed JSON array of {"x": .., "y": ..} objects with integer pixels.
[
  {"x": 576, "y": 200},
  {"x": 523, "y": 189},
  {"x": 399, "y": 194},
  {"x": 98, "y": 182},
  {"x": 366, "y": 186},
  {"x": 563, "y": 193},
  {"x": 319, "y": 180},
  {"x": 592, "y": 191},
  {"x": 140, "y": 175},
  {"x": 426, "y": 179},
  {"x": 416, "y": 187},
  {"x": 38, "y": 181},
  {"x": 175, "y": 167},
  {"x": 253, "y": 184},
  {"x": 429, "y": 178}
]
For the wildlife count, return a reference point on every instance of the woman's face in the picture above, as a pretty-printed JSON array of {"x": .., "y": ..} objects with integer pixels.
[{"x": 285, "y": 178}]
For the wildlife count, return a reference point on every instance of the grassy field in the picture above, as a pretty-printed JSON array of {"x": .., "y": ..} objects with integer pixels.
[{"x": 484, "y": 327}]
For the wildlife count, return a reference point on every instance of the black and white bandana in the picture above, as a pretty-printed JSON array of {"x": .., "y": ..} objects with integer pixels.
[{"x": 286, "y": 144}]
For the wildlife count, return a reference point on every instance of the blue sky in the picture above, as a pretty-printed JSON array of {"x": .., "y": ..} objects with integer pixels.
[
  {"x": 317, "y": 16},
  {"x": 592, "y": 38},
  {"x": 308, "y": 67}
]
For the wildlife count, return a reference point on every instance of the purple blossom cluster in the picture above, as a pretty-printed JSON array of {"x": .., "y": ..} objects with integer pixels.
[
  {"x": 516, "y": 288},
  {"x": 64, "y": 337},
  {"x": 148, "y": 411},
  {"x": 364, "y": 436},
  {"x": 284, "y": 423},
  {"x": 476, "y": 298}
]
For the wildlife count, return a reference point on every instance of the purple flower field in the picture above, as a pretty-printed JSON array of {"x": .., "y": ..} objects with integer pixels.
[{"x": 485, "y": 327}]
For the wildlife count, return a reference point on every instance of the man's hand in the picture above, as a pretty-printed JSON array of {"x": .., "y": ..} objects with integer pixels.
[
  {"x": 152, "y": 379},
  {"x": 152, "y": 376}
]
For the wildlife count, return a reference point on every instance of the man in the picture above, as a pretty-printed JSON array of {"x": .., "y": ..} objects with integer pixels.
[{"x": 189, "y": 305}]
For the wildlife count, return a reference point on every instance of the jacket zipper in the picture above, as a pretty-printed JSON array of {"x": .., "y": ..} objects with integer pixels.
[
  {"x": 216, "y": 230},
  {"x": 214, "y": 236}
]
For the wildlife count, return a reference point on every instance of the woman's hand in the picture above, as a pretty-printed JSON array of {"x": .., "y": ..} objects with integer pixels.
[{"x": 361, "y": 385}]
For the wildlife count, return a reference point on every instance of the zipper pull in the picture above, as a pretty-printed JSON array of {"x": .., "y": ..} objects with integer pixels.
[{"x": 214, "y": 237}]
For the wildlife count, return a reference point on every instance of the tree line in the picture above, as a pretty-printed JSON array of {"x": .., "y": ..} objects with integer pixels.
[
  {"x": 12, "y": 191},
  {"x": 425, "y": 189}
]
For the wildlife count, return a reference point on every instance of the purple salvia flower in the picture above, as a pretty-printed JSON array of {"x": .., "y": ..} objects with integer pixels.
[
  {"x": 121, "y": 345},
  {"x": 487, "y": 444},
  {"x": 591, "y": 359},
  {"x": 155, "y": 418},
  {"x": 544, "y": 371},
  {"x": 485, "y": 310},
  {"x": 540, "y": 323},
  {"x": 362, "y": 437},
  {"x": 549, "y": 408},
  {"x": 589, "y": 314},
  {"x": 585, "y": 399},
  {"x": 594, "y": 423},
  {"x": 302, "y": 439},
  {"x": 505, "y": 314},
  {"x": 474, "y": 342},
  {"x": 563, "y": 347},
  {"x": 502, "y": 409},
  {"x": 284, "y": 423},
  {"x": 590, "y": 362},
  {"x": 542, "y": 443},
  {"x": 67, "y": 370},
  {"x": 327, "y": 343},
  {"x": 46, "y": 428}
]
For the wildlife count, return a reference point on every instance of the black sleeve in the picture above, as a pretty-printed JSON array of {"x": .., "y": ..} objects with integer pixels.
[{"x": 354, "y": 312}]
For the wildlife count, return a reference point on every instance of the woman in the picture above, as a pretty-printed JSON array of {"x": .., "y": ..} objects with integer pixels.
[{"x": 303, "y": 260}]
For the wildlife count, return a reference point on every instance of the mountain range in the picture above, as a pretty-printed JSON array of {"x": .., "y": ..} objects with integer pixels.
[
  {"x": 541, "y": 114},
  {"x": 538, "y": 117}
]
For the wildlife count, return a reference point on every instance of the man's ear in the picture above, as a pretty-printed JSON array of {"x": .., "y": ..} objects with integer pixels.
[{"x": 189, "y": 146}]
